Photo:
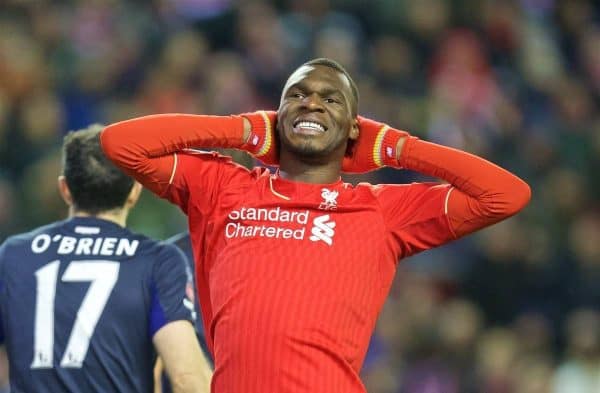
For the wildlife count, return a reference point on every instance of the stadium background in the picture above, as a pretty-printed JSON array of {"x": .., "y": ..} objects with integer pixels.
[{"x": 511, "y": 309}]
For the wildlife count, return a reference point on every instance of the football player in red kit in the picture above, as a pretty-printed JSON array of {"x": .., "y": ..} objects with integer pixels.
[{"x": 293, "y": 267}]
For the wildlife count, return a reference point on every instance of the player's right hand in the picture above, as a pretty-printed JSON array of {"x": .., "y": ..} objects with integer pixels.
[{"x": 262, "y": 143}]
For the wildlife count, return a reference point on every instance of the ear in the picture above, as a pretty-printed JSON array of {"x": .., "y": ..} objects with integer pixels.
[
  {"x": 64, "y": 191},
  {"x": 134, "y": 195},
  {"x": 354, "y": 130}
]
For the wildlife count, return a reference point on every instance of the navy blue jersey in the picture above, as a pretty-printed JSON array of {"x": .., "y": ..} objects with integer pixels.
[
  {"x": 183, "y": 242},
  {"x": 80, "y": 301}
]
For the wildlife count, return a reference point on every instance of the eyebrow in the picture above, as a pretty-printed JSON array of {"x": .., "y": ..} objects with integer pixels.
[{"x": 323, "y": 92}]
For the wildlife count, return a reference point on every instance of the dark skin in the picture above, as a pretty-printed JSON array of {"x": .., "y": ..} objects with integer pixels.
[{"x": 316, "y": 119}]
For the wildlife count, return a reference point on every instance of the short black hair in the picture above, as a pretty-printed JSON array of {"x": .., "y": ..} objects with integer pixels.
[
  {"x": 95, "y": 183},
  {"x": 323, "y": 61}
]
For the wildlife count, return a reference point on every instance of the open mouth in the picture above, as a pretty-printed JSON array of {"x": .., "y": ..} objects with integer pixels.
[{"x": 309, "y": 127}]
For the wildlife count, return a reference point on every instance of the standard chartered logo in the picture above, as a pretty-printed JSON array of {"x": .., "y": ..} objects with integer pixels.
[
  {"x": 279, "y": 224},
  {"x": 323, "y": 229}
]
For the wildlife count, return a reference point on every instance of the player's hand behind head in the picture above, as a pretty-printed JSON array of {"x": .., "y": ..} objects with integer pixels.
[
  {"x": 262, "y": 143},
  {"x": 374, "y": 148}
]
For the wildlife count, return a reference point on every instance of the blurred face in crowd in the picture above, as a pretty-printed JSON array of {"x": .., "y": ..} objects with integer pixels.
[{"x": 316, "y": 114}]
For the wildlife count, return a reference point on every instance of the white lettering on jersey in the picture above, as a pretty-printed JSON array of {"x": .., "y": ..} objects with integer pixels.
[
  {"x": 86, "y": 230},
  {"x": 66, "y": 245},
  {"x": 273, "y": 215},
  {"x": 292, "y": 224},
  {"x": 108, "y": 247},
  {"x": 40, "y": 243},
  {"x": 323, "y": 229}
]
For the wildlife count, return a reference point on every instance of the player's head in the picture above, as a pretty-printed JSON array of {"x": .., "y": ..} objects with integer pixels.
[
  {"x": 90, "y": 183},
  {"x": 317, "y": 111}
]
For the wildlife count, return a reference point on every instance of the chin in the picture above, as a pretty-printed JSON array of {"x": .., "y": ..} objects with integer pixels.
[{"x": 307, "y": 149}]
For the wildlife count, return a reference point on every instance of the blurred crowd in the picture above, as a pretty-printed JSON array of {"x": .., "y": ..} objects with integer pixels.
[{"x": 512, "y": 309}]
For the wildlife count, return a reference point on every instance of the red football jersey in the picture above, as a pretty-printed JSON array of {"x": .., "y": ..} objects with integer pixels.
[{"x": 292, "y": 276}]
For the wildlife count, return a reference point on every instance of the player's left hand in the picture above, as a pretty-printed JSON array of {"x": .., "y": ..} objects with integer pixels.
[{"x": 374, "y": 148}]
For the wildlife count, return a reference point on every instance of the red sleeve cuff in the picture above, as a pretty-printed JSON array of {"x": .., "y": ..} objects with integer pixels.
[{"x": 260, "y": 141}]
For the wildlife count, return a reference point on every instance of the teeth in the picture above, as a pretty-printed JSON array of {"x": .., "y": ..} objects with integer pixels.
[{"x": 311, "y": 125}]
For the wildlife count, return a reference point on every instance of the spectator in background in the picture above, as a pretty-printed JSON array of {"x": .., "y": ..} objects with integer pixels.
[
  {"x": 580, "y": 371},
  {"x": 65, "y": 335}
]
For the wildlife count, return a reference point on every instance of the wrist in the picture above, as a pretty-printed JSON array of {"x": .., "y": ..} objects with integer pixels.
[
  {"x": 388, "y": 146},
  {"x": 404, "y": 151},
  {"x": 247, "y": 130},
  {"x": 257, "y": 133}
]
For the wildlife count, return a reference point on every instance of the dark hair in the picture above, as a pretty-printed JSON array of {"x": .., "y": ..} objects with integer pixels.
[
  {"x": 95, "y": 183},
  {"x": 322, "y": 61}
]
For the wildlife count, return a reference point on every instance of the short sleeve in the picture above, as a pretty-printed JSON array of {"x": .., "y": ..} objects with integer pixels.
[
  {"x": 199, "y": 176},
  {"x": 171, "y": 290},
  {"x": 415, "y": 215}
]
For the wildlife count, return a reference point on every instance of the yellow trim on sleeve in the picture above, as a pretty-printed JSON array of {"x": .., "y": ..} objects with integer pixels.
[
  {"x": 377, "y": 158},
  {"x": 268, "y": 136}
]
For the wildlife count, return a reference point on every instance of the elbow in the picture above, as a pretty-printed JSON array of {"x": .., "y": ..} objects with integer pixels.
[
  {"x": 513, "y": 199},
  {"x": 503, "y": 202},
  {"x": 122, "y": 149},
  {"x": 109, "y": 142},
  {"x": 520, "y": 195}
]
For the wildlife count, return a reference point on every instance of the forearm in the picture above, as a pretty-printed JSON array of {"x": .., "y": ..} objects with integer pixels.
[
  {"x": 186, "y": 365},
  {"x": 143, "y": 146},
  {"x": 487, "y": 193},
  {"x": 158, "y": 135}
]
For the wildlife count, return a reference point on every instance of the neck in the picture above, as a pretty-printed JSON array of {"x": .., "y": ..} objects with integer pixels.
[
  {"x": 305, "y": 170},
  {"x": 118, "y": 216}
]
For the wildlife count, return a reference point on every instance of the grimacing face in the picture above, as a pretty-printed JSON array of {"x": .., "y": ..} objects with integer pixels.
[{"x": 315, "y": 113}]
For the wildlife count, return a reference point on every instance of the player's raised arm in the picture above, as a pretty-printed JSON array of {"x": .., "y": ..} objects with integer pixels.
[
  {"x": 482, "y": 192},
  {"x": 146, "y": 147}
]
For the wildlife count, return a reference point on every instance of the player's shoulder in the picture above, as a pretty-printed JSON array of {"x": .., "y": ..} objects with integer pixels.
[
  {"x": 16, "y": 247},
  {"x": 396, "y": 194},
  {"x": 399, "y": 188},
  {"x": 179, "y": 239},
  {"x": 150, "y": 246},
  {"x": 167, "y": 260},
  {"x": 25, "y": 238},
  {"x": 367, "y": 190},
  {"x": 223, "y": 162},
  {"x": 158, "y": 250}
]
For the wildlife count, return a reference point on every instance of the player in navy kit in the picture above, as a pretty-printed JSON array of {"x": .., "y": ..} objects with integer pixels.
[
  {"x": 85, "y": 304},
  {"x": 182, "y": 241}
]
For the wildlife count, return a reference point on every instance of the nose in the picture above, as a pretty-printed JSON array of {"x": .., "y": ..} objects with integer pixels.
[{"x": 313, "y": 102}]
